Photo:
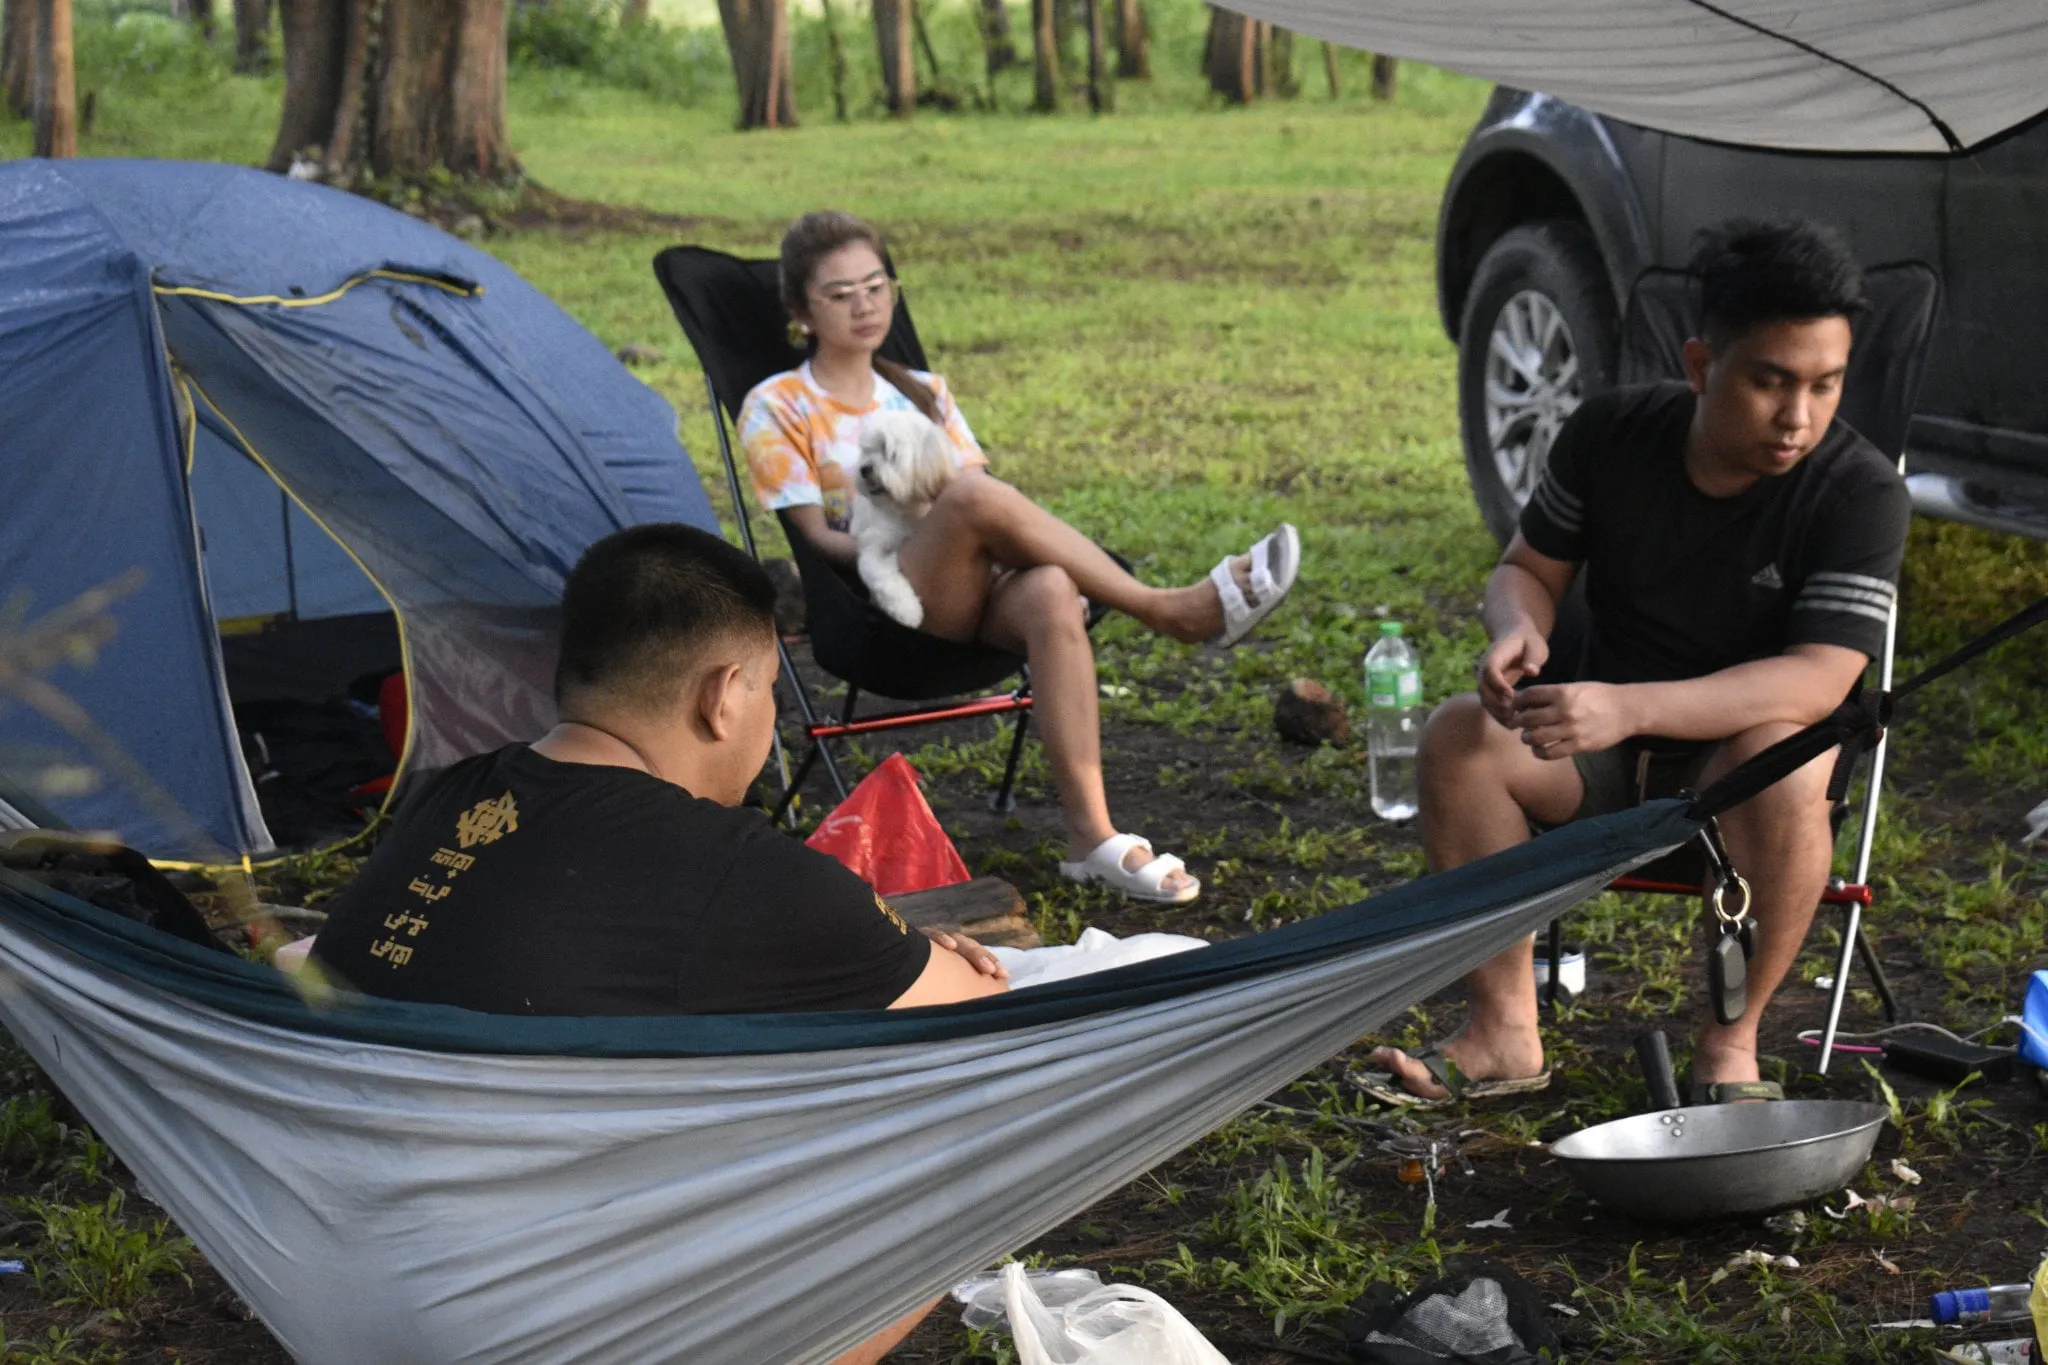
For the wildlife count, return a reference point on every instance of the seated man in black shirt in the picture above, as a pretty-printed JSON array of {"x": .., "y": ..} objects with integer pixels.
[
  {"x": 1740, "y": 548},
  {"x": 607, "y": 869}
]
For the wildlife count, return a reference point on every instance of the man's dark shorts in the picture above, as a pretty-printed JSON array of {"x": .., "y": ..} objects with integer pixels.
[{"x": 1633, "y": 772}]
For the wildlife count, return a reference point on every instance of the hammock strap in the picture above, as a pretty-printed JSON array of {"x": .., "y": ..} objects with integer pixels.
[{"x": 1854, "y": 727}]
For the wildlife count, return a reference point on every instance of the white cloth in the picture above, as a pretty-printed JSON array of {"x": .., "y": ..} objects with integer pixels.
[{"x": 1094, "y": 951}]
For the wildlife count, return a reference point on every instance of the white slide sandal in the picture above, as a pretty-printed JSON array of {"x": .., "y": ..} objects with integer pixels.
[
  {"x": 1275, "y": 561},
  {"x": 1104, "y": 866}
]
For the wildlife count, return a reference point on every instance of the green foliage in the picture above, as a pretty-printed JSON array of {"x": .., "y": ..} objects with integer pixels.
[
  {"x": 677, "y": 64},
  {"x": 91, "y": 1256},
  {"x": 1298, "y": 1243},
  {"x": 57, "y": 1346},
  {"x": 36, "y": 1142}
]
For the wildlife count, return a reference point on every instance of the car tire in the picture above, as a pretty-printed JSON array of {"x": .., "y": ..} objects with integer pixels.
[{"x": 1542, "y": 292}]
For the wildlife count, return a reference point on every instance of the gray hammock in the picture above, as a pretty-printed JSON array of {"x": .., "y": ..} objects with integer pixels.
[{"x": 396, "y": 1184}]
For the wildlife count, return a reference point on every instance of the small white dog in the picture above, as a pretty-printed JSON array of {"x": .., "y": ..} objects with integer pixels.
[{"x": 906, "y": 461}]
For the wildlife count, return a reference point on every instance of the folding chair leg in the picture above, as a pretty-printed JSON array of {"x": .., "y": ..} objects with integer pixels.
[
  {"x": 1866, "y": 952},
  {"x": 818, "y": 749},
  {"x": 803, "y": 770},
  {"x": 1553, "y": 988},
  {"x": 1003, "y": 799},
  {"x": 1855, "y": 946}
]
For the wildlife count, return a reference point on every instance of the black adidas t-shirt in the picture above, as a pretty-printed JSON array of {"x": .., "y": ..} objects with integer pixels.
[
  {"x": 514, "y": 884},
  {"x": 1681, "y": 584}
]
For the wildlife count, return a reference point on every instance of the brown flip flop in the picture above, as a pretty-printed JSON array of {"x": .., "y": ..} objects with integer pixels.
[{"x": 1386, "y": 1087}]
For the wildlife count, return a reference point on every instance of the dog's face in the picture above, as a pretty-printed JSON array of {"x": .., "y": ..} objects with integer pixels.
[{"x": 905, "y": 460}]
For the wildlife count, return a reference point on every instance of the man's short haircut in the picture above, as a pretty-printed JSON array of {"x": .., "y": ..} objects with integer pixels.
[
  {"x": 644, "y": 608},
  {"x": 1787, "y": 270}
]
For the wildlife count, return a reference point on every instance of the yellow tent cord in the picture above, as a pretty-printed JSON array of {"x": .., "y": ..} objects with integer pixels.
[{"x": 467, "y": 291}]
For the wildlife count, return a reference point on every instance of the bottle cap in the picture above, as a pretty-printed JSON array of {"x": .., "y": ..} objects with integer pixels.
[
  {"x": 1950, "y": 1304},
  {"x": 1390, "y": 627}
]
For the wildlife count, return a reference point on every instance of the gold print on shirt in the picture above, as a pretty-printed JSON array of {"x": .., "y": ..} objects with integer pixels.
[
  {"x": 487, "y": 821},
  {"x": 484, "y": 823},
  {"x": 893, "y": 917}
]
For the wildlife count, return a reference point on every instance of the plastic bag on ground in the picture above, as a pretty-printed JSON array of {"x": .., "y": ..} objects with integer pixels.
[
  {"x": 1069, "y": 1317},
  {"x": 1479, "y": 1313},
  {"x": 886, "y": 833}
]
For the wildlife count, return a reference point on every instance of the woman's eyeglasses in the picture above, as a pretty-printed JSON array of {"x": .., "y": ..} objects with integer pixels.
[{"x": 875, "y": 291}]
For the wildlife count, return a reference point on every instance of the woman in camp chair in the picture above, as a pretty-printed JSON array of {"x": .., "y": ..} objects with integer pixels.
[{"x": 987, "y": 563}]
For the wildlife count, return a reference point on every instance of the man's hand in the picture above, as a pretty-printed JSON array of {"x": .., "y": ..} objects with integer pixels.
[
  {"x": 978, "y": 957},
  {"x": 1572, "y": 718},
  {"x": 1517, "y": 655}
]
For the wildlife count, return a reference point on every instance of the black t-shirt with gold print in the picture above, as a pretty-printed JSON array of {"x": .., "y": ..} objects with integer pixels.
[{"x": 514, "y": 884}]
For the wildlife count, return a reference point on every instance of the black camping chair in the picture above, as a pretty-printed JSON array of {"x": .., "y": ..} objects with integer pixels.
[
  {"x": 731, "y": 311},
  {"x": 1878, "y": 394}
]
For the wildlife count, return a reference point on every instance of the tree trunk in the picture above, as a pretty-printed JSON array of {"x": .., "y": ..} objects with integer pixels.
[
  {"x": 200, "y": 12},
  {"x": 1330, "y": 69},
  {"x": 252, "y": 36},
  {"x": 1233, "y": 66},
  {"x": 1101, "y": 89},
  {"x": 1383, "y": 69},
  {"x": 757, "y": 37},
  {"x": 924, "y": 44},
  {"x": 432, "y": 99},
  {"x": 1045, "y": 57},
  {"x": 995, "y": 36},
  {"x": 633, "y": 12},
  {"x": 1280, "y": 64},
  {"x": 899, "y": 74},
  {"x": 1133, "y": 41},
  {"x": 56, "y": 94},
  {"x": 18, "y": 56},
  {"x": 837, "y": 45}
]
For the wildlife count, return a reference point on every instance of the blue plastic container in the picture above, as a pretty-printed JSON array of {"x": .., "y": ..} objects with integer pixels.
[{"x": 2034, "y": 1036}]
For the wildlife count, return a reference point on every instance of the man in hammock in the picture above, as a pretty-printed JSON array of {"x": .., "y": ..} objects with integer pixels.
[
  {"x": 608, "y": 868},
  {"x": 1740, "y": 549}
]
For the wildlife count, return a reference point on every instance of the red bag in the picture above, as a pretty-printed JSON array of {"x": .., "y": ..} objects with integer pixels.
[{"x": 888, "y": 836}]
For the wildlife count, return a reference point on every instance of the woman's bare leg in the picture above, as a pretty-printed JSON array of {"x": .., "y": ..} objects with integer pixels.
[
  {"x": 1038, "y": 612},
  {"x": 980, "y": 521}
]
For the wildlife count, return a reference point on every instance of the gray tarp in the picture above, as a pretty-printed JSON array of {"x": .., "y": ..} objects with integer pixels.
[
  {"x": 1814, "y": 75},
  {"x": 419, "y": 1205}
]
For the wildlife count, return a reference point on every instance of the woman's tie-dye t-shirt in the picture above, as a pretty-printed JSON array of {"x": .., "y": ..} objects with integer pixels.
[{"x": 802, "y": 444}]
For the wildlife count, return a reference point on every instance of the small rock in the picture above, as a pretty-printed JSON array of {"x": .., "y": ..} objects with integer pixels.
[
  {"x": 635, "y": 354},
  {"x": 469, "y": 227},
  {"x": 1305, "y": 712},
  {"x": 789, "y": 596}
]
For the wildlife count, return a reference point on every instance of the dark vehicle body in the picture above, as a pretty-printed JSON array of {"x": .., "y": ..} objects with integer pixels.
[{"x": 1552, "y": 211}]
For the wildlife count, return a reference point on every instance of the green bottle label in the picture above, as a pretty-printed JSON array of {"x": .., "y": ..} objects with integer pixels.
[{"x": 1393, "y": 685}]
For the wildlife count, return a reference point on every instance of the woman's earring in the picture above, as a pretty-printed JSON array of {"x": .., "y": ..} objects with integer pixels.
[{"x": 799, "y": 335}]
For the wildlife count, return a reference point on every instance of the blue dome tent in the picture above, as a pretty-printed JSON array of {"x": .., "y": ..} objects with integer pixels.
[{"x": 283, "y": 403}]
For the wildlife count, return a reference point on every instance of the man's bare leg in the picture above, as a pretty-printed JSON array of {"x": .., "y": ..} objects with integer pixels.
[
  {"x": 1479, "y": 787},
  {"x": 1780, "y": 842},
  {"x": 886, "y": 1340}
]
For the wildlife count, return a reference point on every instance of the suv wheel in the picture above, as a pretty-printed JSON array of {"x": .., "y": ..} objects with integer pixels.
[{"x": 1538, "y": 336}]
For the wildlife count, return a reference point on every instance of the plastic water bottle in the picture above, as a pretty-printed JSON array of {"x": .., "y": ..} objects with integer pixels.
[
  {"x": 1394, "y": 716},
  {"x": 1965, "y": 1307}
]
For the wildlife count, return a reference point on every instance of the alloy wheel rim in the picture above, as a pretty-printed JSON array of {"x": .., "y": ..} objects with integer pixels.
[{"x": 1532, "y": 385}]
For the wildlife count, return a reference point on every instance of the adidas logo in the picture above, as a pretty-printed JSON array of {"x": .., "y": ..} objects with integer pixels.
[{"x": 1767, "y": 577}]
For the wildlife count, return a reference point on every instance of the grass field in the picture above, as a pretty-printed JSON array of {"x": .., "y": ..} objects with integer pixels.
[{"x": 1176, "y": 326}]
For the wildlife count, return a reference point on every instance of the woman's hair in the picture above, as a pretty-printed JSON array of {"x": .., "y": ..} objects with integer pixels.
[{"x": 811, "y": 239}]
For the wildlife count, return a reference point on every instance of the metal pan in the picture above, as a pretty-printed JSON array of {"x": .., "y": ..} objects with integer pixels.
[
  {"x": 1678, "y": 1164},
  {"x": 1722, "y": 1160}
]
